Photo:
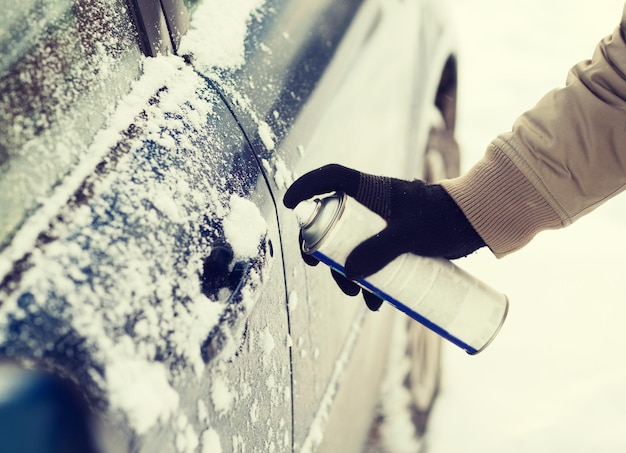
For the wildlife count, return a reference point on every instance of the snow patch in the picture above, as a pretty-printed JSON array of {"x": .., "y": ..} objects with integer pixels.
[
  {"x": 267, "y": 343},
  {"x": 186, "y": 439},
  {"x": 293, "y": 301},
  {"x": 211, "y": 442},
  {"x": 266, "y": 135},
  {"x": 254, "y": 411},
  {"x": 217, "y": 33},
  {"x": 221, "y": 396},
  {"x": 318, "y": 425},
  {"x": 244, "y": 227},
  {"x": 142, "y": 390},
  {"x": 203, "y": 412},
  {"x": 282, "y": 176},
  {"x": 397, "y": 433}
]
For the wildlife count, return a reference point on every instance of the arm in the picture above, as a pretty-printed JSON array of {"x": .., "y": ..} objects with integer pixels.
[{"x": 562, "y": 158}]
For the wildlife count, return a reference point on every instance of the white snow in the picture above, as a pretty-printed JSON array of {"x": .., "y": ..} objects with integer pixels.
[
  {"x": 244, "y": 227},
  {"x": 141, "y": 389},
  {"x": 282, "y": 175},
  {"x": 397, "y": 433},
  {"x": 186, "y": 438},
  {"x": 267, "y": 343},
  {"x": 292, "y": 301},
  {"x": 221, "y": 395},
  {"x": 203, "y": 412},
  {"x": 211, "y": 442},
  {"x": 278, "y": 170},
  {"x": 217, "y": 33},
  {"x": 554, "y": 380},
  {"x": 254, "y": 411},
  {"x": 317, "y": 428},
  {"x": 266, "y": 135}
]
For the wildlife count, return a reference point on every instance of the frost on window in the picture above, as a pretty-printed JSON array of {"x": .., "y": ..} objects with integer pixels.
[{"x": 65, "y": 64}]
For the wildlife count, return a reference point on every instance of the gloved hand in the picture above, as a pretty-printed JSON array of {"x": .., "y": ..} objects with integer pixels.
[{"x": 421, "y": 219}]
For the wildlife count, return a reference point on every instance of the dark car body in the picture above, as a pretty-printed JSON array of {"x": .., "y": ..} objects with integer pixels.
[{"x": 150, "y": 278}]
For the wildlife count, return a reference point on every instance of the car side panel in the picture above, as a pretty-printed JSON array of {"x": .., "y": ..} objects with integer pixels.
[
  {"x": 340, "y": 98},
  {"x": 121, "y": 293},
  {"x": 364, "y": 104},
  {"x": 288, "y": 48}
]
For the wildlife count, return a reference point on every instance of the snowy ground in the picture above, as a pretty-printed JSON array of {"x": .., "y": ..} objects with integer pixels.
[{"x": 554, "y": 380}]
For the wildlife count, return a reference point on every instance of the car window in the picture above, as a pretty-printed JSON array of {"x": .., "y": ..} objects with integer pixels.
[
  {"x": 64, "y": 65},
  {"x": 286, "y": 48}
]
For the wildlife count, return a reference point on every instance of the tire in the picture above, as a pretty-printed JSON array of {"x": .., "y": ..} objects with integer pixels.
[
  {"x": 441, "y": 160},
  {"x": 408, "y": 391},
  {"x": 413, "y": 380},
  {"x": 424, "y": 375}
]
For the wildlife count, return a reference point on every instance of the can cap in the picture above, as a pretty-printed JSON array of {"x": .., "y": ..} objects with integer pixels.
[
  {"x": 306, "y": 211},
  {"x": 317, "y": 218}
]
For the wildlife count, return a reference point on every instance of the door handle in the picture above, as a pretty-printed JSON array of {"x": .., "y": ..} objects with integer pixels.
[{"x": 219, "y": 271}]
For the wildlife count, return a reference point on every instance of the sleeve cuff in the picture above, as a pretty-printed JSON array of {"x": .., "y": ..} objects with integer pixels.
[{"x": 502, "y": 204}]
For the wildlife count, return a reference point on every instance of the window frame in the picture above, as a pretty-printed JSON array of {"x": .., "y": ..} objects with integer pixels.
[{"x": 160, "y": 24}]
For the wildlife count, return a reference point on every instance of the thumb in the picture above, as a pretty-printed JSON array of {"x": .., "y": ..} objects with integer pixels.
[
  {"x": 372, "y": 255},
  {"x": 330, "y": 178}
]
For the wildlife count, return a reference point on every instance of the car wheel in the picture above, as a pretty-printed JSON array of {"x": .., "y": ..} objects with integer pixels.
[
  {"x": 424, "y": 374},
  {"x": 441, "y": 160},
  {"x": 414, "y": 375},
  {"x": 408, "y": 391}
]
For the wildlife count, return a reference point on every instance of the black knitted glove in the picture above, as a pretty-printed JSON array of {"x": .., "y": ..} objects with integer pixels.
[{"x": 421, "y": 219}]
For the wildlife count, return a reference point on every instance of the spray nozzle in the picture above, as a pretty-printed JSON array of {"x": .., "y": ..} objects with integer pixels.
[{"x": 306, "y": 211}]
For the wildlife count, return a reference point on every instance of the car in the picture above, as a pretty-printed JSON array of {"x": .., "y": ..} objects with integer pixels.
[{"x": 152, "y": 291}]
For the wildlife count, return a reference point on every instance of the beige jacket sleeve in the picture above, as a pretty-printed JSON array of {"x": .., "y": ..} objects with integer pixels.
[{"x": 562, "y": 158}]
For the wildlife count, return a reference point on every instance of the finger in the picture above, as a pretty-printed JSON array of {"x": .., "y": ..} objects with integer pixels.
[
  {"x": 308, "y": 259},
  {"x": 329, "y": 178},
  {"x": 348, "y": 287},
  {"x": 372, "y": 255},
  {"x": 372, "y": 301}
]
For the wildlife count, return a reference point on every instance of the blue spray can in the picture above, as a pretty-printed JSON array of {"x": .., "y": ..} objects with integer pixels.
[{"x": 432, "y": 291}]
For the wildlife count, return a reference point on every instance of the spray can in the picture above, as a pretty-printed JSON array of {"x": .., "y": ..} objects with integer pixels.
[{"x": 432, "y": 291}]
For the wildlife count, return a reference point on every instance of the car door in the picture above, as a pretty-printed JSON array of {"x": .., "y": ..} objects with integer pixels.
[
  {"x": 146, "y": 267},
  {"x": 287, "y": 56},
  {"x": 363, "y": 106},
  {"x": 315, "y": 87}
]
